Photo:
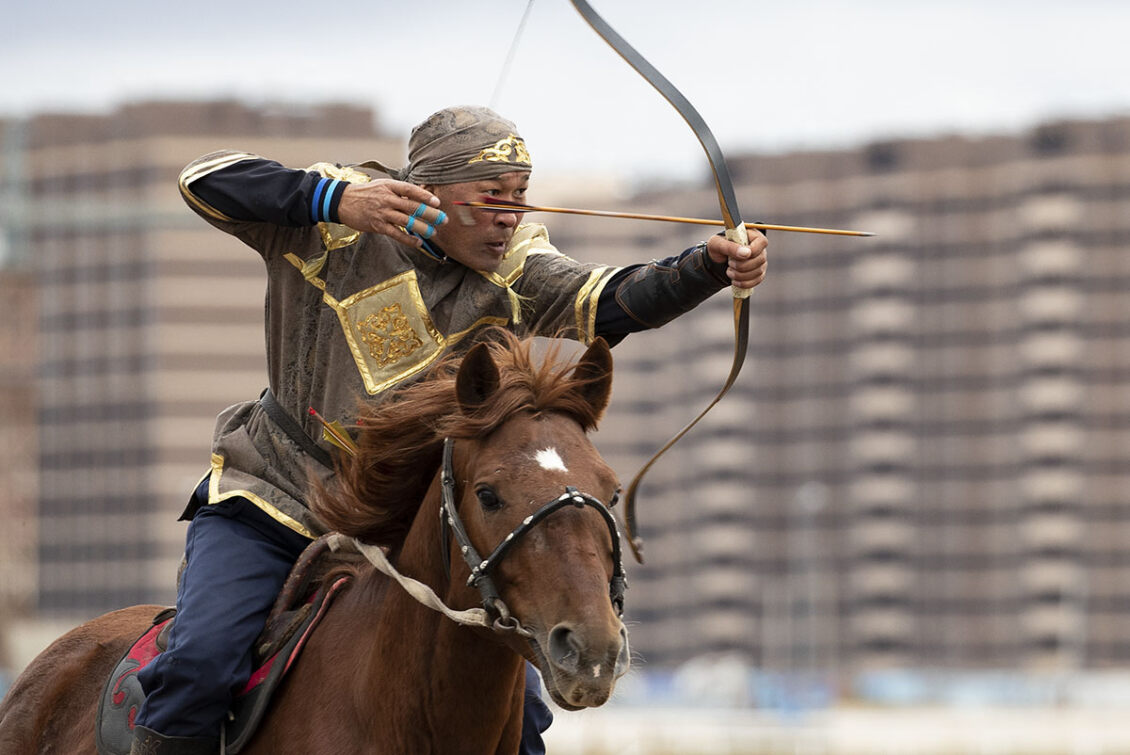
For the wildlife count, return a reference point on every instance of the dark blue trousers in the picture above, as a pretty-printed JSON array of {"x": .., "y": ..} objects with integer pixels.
[
  {"x": 536, "y": 716},
  {"x": 237, "y": 558}
]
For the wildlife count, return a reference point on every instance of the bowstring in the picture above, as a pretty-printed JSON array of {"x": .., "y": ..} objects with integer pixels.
[{"x": 510, "y": 57}]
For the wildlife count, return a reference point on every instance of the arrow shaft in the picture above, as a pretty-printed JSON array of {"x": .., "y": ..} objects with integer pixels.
[{"x": 503, "y": 207}]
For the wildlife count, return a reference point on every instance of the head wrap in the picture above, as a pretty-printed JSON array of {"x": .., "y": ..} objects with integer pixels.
[{"x": 460, "y": 144}]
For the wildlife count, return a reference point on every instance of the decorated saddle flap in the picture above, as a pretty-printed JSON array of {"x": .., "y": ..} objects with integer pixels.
[{"x": 299, "y": 608}]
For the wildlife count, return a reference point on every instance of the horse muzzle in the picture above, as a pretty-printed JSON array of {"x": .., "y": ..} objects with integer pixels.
[{"x": 580, "y": 666}]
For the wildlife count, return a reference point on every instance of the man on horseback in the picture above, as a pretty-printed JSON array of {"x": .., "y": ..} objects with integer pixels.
[{"x": 370, "y": 281}]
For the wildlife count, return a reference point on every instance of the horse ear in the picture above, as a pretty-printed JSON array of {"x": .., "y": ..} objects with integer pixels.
[
  {"x": 477, "y": 380},
  {"x": 595, "y": 370}
]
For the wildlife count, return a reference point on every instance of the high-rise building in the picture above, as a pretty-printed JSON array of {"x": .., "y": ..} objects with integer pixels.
[
  {"x": 150, "y": 323},
  {"x": 18, "y": 449},
  {"x": 925, "y": 461},
  {"x": 18, "y": 461}
]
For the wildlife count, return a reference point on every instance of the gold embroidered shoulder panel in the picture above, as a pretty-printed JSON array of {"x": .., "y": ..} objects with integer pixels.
[
  {"x": 387, "y": 326},
  {"x": 389, "y": 331}
]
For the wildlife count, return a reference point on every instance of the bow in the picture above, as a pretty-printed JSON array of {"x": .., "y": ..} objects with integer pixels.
[{"x": 735, "y": 231}]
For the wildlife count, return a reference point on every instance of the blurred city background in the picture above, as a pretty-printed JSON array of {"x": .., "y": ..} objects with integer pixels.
[{"x": 906, "y": 529}]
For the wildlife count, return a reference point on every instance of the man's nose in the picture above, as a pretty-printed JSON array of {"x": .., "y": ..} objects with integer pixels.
[{"x": 508, "y": 219}]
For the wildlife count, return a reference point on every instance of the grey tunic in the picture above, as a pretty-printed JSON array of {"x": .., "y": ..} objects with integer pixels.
[{"x": 350, "y": 315}]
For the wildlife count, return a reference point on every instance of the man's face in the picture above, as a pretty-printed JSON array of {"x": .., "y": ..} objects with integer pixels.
[{"x": 478, "y": 238}]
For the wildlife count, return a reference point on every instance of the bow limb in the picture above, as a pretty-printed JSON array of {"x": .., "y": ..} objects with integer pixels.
[
  {"x": 735, "y": 231},
  {"x": 731, "y": 215}
]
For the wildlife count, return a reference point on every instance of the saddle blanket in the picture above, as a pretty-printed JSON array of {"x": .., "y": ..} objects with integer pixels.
[{"x": 122, "y": 696}]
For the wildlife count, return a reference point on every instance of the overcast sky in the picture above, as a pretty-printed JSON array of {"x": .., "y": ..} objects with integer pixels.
[{"x": 766, "y": 76}]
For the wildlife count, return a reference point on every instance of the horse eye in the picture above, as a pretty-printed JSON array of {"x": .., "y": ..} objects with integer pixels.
[
  {"x": 488, "y": 499},
  {"x": 615, "y": 498}
]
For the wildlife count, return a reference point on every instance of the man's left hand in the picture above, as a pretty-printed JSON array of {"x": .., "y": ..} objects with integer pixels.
[{"x": 745, "y": 264}]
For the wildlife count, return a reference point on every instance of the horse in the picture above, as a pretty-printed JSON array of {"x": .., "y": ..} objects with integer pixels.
[{"x": 491, "y": 455}]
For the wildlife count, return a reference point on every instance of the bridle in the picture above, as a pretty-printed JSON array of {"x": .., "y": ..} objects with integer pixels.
[{"x": 482, "y": 569}]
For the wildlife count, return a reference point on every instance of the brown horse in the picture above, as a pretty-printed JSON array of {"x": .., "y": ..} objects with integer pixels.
[{"x": 384, "y": 673}]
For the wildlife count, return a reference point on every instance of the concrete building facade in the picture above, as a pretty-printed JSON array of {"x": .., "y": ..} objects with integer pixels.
[
  {"x": 923, "y": 464},
  {"x": 150, "y": 323},
  {"x": 925, "y": 460}
]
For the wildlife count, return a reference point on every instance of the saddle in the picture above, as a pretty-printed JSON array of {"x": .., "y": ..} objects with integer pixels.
[{"x": 297, "y": 611}]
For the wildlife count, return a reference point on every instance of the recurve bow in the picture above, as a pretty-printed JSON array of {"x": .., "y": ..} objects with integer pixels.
[{"x": 735, "y": 231}]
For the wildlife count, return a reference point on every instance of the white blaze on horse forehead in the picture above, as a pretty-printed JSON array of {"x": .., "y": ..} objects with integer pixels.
[{"x": 550, "y": 460}]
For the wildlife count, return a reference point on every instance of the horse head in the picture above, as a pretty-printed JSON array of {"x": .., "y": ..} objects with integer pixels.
[{"x": 532, "y": 492}]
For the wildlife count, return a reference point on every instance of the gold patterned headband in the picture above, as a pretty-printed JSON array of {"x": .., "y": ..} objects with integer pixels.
[
  {"x": 449, "y": 148},
  {"x": 512, "y": 149}
]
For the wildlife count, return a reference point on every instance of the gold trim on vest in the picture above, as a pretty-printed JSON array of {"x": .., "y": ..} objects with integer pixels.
[{"x": 215, "y": 496}]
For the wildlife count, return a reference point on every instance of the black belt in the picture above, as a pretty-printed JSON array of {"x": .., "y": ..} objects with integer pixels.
[{"x": 293, "y": 430}]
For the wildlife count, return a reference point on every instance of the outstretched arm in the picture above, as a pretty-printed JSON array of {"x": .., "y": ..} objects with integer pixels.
[{"x": 640, "y": 297}]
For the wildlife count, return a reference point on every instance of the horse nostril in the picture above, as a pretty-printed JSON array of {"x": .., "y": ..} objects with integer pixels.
[
  {"x": 624, "y": 657},
  {"x": 564, "y": 648}
]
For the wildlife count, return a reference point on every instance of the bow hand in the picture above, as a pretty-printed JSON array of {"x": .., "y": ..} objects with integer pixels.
[{"x": 745, "y": 260}]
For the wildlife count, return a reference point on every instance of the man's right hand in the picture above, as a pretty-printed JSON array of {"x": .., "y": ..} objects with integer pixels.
[{"x": 389, "y": 207}]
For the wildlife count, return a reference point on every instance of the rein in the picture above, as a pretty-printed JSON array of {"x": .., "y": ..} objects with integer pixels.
[
  {"x": 472, "y": 617},
  {"x": 494, "y": 615}
]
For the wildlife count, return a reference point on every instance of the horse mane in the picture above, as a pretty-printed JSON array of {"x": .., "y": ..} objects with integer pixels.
[{"x": 377, "y": 492}]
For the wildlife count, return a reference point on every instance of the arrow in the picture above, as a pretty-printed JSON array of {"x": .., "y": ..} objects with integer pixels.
[{"x": 516, "y": 207}]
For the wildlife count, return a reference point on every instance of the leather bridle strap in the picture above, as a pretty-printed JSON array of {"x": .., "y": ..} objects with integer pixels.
[
  {"x": 482, "y": 568},
  {"x": 735, "y": 231}
]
